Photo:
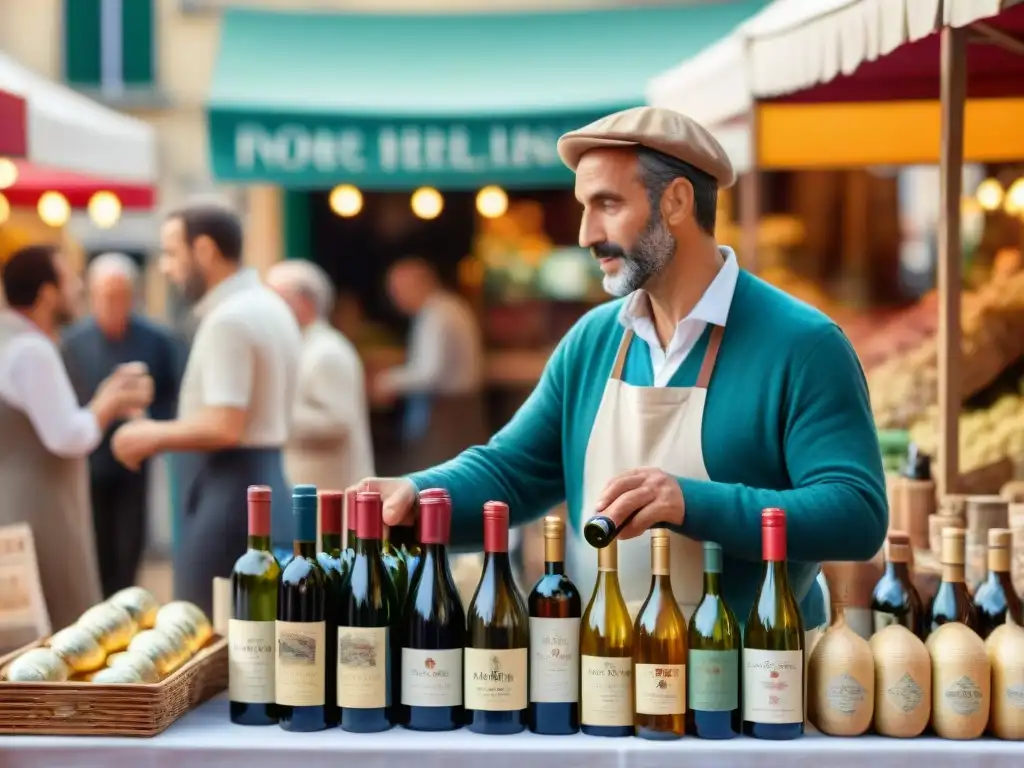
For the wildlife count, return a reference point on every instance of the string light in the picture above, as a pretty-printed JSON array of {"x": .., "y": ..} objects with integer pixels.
[
  {"x": 104, "y": 209},
  {"x": 427, "y": 203},
  {"x": 491, "y": 202},
  {"x": 346, "y": 201},
  {"x": 54, "y": 209}
]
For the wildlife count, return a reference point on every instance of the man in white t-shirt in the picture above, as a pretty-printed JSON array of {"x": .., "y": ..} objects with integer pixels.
[{"x": 235, "y": 406}]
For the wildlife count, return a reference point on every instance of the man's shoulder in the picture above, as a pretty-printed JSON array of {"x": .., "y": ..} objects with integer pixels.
[
  {"x": 151, "y": 329},
  {"x": 597, "y": 322},
  {"x": 774, "y": 316},
  {"x": 78, "y": 332}
]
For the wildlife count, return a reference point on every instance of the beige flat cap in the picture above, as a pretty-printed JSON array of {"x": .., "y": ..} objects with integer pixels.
[{"x": 660, "y": 129}]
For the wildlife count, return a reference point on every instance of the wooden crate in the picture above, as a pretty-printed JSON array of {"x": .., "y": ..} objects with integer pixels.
[{"x": 85, "y": 709}]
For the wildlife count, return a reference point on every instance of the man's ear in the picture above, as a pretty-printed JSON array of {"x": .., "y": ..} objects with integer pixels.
[{"x": 677, "y": 202}]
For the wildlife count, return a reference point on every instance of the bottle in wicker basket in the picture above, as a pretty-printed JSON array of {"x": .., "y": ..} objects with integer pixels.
[
  {"x": 903, "y": 682},
  {"x": 961, "y": 682},
  {"x": 841, "y": 679},
  {"x": 1005, "y": 647}
]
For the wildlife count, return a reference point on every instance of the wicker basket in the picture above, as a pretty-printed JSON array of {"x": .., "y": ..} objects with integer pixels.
[{"x": 85, "y": 709}]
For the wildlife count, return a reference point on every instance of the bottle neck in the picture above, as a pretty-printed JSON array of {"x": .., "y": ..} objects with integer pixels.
[
  {"x": 331, "y": 542},
  {"x": 953, "y": 573},
  {"x": 305, "y": 549},
  {"x": 262, "y": 543},
  {"x": 554, "y": 568},
  {"x": 712, "y": 583},
  {"x": 350, "y": 538},
  {"x": 369, "y": 547},
  {"x": 497, "y": 562},
  {"x": 776, "y": 571},
  {"x": 898, "y": 570}
]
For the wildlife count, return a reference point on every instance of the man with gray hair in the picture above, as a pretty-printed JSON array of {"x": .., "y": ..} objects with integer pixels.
[
  {"x": 111, "y": 335},
  {"x": 329, "y": 444}
]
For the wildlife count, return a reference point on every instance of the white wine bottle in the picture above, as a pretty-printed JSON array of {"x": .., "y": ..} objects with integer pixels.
[
  {"x": 903, "y": 682},
  {"x": 659, "y": 653},
  {"x": 841, "y": 678},
  {"x": 606, "y": 654}
]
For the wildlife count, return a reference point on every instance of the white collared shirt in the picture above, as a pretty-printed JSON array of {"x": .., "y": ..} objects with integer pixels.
[
  {"x": 34, "y": 380},
  {"x": 245, "y": 355},
  {"x": 712, "y": 308}
]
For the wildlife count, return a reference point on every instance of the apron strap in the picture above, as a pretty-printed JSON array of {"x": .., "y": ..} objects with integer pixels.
[
  {"x": 710, "y": 357},
  {"x": 620, "y": 358}
]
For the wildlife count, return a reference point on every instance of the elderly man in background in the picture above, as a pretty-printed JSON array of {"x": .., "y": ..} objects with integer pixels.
[
  {"x": 236, "y": 398},
  {"x": 45, "y": 435},
  {"x": 114, "y": 334},
  {"x": 329, "y": 444}
]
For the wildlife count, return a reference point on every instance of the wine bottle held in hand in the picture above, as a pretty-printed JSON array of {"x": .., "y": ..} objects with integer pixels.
[
  {"x": 773, "y": 644},
  {"x": 659, "y": 653},
  {"x": 300, "y": 631},
  {"x": 497, "y": 648},
  {"x": 330, "y": 560},
  {"x": 555, "y": 607},
  {"x": 254, "y": 611},
  {"x": 368, "y": 620},
  {"x": 435, "y": 628},
  {"x": 606, "y": 654},
  {"x": 713, "y": 667}
]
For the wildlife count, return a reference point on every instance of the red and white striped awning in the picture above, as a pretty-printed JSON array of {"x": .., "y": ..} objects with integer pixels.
[{"x": 69, "y": 131}]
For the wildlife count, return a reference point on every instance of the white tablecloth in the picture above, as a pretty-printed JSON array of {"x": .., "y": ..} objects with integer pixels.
[{"x": 205, "y": 739}]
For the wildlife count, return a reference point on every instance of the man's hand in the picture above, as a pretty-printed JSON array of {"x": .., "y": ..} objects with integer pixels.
[
  {"x": 654, "y": 495},
  {"x": 399, "y": 496},
  {"x": 134, "y": 442},
  {"x": 382, "y": 392}
]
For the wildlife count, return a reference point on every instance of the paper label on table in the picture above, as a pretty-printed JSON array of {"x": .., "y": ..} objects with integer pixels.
[
  {"x": 607, "y": 691},
  {"x": 773, "y": 686},
  {"x": 714, "y": 680},
  {"x": 431, "y": 678},
  {"x": 299, "y": 673},
  {"x": 906, "y": 695},
  {"x": 964, "y": 696},
  {"x": 660, "y": 689},
  {"x": 363, "y": 668},
  {"x": 251, "y": 661},
  {"x": 554, "y": 660},
  {"x": 844, "y": 694},
  {"x": 496, "y": 679}
]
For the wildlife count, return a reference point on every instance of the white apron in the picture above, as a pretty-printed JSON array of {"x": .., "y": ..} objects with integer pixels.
[{"x": 649, "y": 427}]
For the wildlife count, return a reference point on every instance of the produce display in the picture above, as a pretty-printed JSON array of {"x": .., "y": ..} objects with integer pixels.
[
  {"x": 508, "y": 664},
  {"x": 128, "y": 639},
  {"x": 904, "y": 382}
]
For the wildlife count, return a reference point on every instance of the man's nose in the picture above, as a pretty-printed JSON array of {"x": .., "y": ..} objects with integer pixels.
[{"x": 590, "y": 233}]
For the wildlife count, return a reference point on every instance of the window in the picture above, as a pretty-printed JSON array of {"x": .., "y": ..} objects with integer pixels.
[{"x": 109, "y": 45}]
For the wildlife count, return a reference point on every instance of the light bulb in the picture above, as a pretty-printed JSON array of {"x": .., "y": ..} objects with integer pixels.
[
  {"x": 54, "y": 209},
  {"x": 346, "y": 201},
  {"x": 104, "y": 209},
  {"x": 1014, "y": 200},
  {"x": 427, "y": 203},
  {"x": 491, "y": 202},
  {"x": 989, "y": 194},
  {"x": 8, "y": 173}
]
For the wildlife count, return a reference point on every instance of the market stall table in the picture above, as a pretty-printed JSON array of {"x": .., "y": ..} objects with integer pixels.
[{"x": 205, "y": 739}]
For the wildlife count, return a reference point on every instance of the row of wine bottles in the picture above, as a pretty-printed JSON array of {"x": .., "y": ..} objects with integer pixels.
[
  {"x": 329, "y": 639},
  {"x": 895, "y": 600}
]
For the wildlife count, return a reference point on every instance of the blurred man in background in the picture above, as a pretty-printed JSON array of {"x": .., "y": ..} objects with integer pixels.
[
  {"x": 45, "y": 436},
  {"x": 236, "y": 398},
  {"x": 442, "y": 378},
  {"x": 329, "y": 444},
  {"x": 112, "y": 335}
]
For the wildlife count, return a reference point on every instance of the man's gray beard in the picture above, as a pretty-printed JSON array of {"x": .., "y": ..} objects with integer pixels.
[{"x": 653, "y": 250}]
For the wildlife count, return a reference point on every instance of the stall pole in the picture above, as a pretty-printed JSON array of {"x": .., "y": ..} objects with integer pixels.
[{"x": 951, "y": 161}]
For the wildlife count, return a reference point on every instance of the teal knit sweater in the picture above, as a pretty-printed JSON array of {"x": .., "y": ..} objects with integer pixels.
[{"x": 787, "y": 424}]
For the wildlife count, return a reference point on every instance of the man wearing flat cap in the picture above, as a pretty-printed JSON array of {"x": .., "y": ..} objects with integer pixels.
[{"x": 701, "y": 396}]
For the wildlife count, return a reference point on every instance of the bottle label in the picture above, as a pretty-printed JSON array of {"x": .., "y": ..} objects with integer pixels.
[
  {"x": 906, "y": 695},
  {"x": 1015, "y": 696},
  {"x": 431, "y": 678},
  {"x": 495, "y": 680},
  {"x": 714, "y": 680},
  {"x": 881, "y": 620},
  {"x": 363, "y": 668},
  {"x": 773, "y": 686},
  {"x": 299, "y": 671},
  {"x": 251, "y": 661},
  {"x": 963, "y": 696},
  {"x": 844, "y": 694},
  {"x": 554, "y": 659},
  {"x": 607, "y": 690},
  {"x": 660, "y": 689}
]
